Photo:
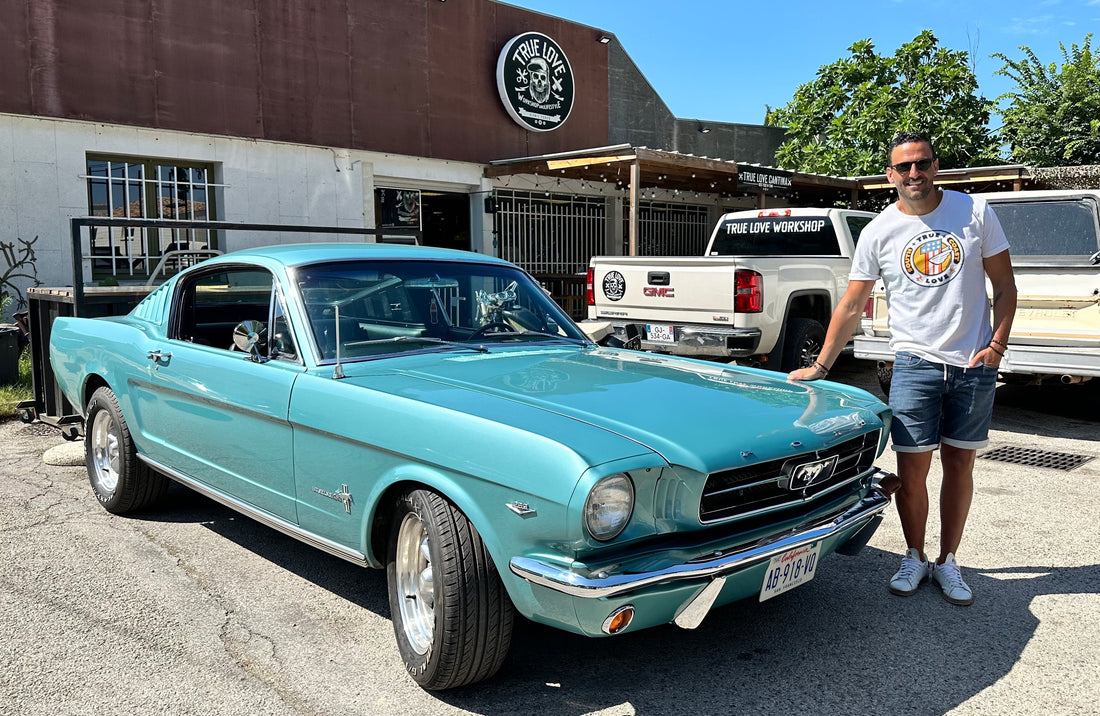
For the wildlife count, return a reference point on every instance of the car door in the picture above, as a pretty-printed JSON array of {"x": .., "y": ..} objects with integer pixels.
[{"x": 219, "y": 414}]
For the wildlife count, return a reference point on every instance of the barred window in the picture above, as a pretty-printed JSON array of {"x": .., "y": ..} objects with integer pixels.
[
  {"x": 136, "y": 188},
  {"x": 669, "y": 229},
  {"x": 552, "y": 236},
  {"x": 550, "y": 233}
]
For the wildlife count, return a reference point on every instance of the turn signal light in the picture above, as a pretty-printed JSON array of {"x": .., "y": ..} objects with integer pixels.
[
  {"x": 619, "y": 619},
  {"x": 589, "y": 289}
]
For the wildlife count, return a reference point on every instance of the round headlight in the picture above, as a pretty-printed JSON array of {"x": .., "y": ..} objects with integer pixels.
[{"x": 608, "y": 507}]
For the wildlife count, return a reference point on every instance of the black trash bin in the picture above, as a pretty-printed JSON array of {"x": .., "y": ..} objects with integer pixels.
[{"x": 10, "y": 347}]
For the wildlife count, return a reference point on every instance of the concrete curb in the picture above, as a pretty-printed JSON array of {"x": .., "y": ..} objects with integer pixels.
[{"x": 66, "y": 454}]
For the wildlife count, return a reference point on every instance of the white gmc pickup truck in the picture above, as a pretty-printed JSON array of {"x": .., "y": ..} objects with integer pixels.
[
  {"x": 1054, "y": 238},
  {"x": 762, "y": 293}
]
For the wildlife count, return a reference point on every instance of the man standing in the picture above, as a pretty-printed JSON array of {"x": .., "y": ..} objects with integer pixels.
[{"x": 933, "y": 249}]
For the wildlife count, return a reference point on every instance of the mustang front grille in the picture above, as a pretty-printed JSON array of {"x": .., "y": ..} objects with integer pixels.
[{"x": 791, "y": 483}]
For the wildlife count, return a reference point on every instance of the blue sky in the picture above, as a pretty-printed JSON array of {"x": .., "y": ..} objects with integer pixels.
[{"x": 725, "y": 60}]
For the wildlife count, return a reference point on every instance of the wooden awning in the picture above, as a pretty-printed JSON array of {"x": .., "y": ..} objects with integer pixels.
[
  {"x": 637, "y": 168},
  {"x": 655, "y": 168},
  {"x": 1007, "y": 177}
]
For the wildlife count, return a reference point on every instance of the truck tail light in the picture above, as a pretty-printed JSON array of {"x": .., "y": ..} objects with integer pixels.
[
  {"x": 748, "y": 292},
  {"x": 589, "y": 292},
  {"x": 869, "y": 309},
  {"x": 785, "y": 212}
]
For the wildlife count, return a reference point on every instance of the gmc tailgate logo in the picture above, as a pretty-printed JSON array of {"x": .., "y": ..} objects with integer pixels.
[{"x": 659, "y": 291}]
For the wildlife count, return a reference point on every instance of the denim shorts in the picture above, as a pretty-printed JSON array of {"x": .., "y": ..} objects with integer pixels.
[{"x": 934, "y": 403}]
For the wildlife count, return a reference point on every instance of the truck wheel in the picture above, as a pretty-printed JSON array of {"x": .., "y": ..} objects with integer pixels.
[
  {"x": 885, "y": 373},
  {"x": 803, "y": 343},
  {"x": 451, "y": 614},
  {"x": 120, "y": 481}
]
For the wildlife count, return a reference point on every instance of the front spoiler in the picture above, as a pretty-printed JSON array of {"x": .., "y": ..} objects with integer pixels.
[{"x": 603, "y": 583}]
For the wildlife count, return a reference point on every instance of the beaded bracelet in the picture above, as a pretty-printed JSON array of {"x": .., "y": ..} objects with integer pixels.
[
  {"x": 823, "y": 369},
  {"x": 993, "y": 340}
]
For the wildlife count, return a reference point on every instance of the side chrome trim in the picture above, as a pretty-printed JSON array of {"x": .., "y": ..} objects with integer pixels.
[
  {"x": 603, "y": 584},
  {"x": 264, "y": 518}
]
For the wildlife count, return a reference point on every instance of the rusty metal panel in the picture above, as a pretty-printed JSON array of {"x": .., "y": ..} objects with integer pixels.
[
  {"x": 16, "y": 59},
  {"x": 389, "y": 67},
  {"x": 96, "y": 60},
  {"x": 304, "y": 64},
  {"x": 207, "y": 67},
  {"x": 406, "y": 76}
]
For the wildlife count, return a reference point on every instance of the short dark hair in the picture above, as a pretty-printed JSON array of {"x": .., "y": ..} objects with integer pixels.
[{"x": 908, "y": 138}]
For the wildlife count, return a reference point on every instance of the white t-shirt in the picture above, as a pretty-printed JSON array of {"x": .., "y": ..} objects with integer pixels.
[{"x": 934, "y": 275}]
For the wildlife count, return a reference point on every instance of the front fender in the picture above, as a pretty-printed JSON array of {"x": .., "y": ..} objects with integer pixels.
[{"x": 485, "y": 504}]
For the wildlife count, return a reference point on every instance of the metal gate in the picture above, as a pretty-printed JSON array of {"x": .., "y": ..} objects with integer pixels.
[
  {"x": 669, "y": 229},
  {"x": 550, "y": 233}
]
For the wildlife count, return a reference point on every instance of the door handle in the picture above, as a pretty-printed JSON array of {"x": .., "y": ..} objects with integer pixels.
[{"x": 157, "y": 356}]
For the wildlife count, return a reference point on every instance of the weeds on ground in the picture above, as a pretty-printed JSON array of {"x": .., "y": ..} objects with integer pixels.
[{"x": 22, "y": 389}]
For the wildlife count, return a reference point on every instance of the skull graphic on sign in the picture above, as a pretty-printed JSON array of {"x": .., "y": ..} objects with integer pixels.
[{"x": 539, "y": 80}]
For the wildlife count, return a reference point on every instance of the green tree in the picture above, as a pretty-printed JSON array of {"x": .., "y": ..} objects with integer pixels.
[
  {"x": 1053, "y": 118},
  {"x": 842, "y": 122}
]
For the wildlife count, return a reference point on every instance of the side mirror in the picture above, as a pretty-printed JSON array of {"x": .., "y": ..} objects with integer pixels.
[{"x": 250, "y": 337}]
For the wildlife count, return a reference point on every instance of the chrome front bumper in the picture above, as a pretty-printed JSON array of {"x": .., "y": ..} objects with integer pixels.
[
  {"x": 696, "y": 339},
  {"x": 605, "y": 583}
]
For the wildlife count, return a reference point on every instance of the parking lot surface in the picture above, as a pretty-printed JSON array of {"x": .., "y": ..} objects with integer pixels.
[{"x": 192, "y": 609}]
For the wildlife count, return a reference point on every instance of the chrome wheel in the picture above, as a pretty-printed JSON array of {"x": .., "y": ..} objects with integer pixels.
[
  {"x": 103, "y": 446},
  {"x": 120, "y": 480},
  {"x": 451, "y": 615},
  {"x": 415, "y": 583},
  {"x": 808, "y": 353}
]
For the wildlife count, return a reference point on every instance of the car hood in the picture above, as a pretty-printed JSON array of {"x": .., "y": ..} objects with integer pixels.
[{"x": 696, "y": 414}]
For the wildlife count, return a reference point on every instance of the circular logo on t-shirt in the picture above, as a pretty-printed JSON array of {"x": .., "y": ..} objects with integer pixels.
[
  {"x": 614, "y": 285},
  {"x": 932, "y": 258},
  {"x": 535, "y": 82}
]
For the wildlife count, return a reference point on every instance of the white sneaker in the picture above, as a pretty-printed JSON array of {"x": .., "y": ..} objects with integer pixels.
[
  {"x": 914, "y": 570},
  {"x": 949, "y": 577}
]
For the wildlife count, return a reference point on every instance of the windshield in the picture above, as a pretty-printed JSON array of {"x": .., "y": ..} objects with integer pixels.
[{"x": 376, "y": 308}]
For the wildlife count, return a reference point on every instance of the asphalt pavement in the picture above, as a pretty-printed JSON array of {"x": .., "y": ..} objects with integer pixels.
[{"x": 193, "y": 609}]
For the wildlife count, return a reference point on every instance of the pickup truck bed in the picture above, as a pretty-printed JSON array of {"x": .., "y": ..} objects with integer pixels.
[{"x": 762, "y": 294}]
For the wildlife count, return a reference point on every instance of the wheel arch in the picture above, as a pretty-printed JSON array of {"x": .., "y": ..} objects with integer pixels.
[
  {"x": 810, "y": 303},
  {"x": 807, "y": 303},
  {"x": 380, "y": 515},
  {"x": 92, "y": 383}
]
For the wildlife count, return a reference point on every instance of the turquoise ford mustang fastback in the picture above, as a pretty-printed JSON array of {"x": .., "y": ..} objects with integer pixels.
[{"x": 436, "y": 414}]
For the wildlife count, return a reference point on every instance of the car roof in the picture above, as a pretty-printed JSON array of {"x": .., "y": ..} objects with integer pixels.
[{"x": 299, "y": 254}]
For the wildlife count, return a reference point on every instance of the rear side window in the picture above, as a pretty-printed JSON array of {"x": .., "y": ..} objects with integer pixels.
[
  {"x": 776, "y": 236},
  {"x": 1066, "y": 227},
  {"x": 856, "y": 225}
]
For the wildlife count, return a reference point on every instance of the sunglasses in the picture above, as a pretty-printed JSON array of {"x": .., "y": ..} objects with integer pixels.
[{"x": 903, "y": 167}]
